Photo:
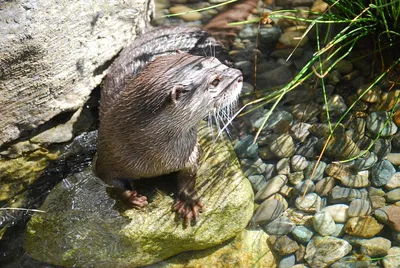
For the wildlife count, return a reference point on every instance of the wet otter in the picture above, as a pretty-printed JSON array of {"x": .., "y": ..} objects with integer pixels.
[{"x": 149, "y": 113}]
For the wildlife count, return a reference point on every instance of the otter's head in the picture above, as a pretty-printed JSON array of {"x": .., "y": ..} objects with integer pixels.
[
  {"x": 187, "y": 86},
  {"x": 200, "y": 85}
]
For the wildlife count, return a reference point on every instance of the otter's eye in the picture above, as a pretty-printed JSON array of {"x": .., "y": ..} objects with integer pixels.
[{"x": 215, "y": 82}]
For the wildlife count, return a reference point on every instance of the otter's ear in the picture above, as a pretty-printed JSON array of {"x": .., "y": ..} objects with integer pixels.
[{"x": 176, "y": 93}]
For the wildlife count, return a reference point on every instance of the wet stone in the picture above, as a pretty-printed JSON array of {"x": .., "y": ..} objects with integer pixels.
[
  {"x": 245, "y": 148},
  {"x": 346, "y": 195},
  {"x": 359, "y": 207},
  {"x": 280, "y": 226},
  {"x": 295, "y": 177},
  {"x": 393, "y": 196},
  {"x": 274, "y": 77},
  {"x": 339, "y": 147},
  {"x": 392, "y": 259},
  {"x": 271, "y": 187},
  {"x": 376, "y": 121},
  {"x": 319, "y": 171},
  {"x": 365, "y": 227},
  {"x": 323, "y": 223},
  {"x": 286, "y": 191},
  {"x": 302, "y": 187},
  {"x": 283, "y": 244},
  {"x": 388, "y": 101},
  {"x": 280, "y": 197},
  {"x": 282, "y": 146},
  {"x": 382, "y": 147},
  {"x": 338, "y": 171},
  {"x": 300, "y": 253},
  {"x": 257, "y": 182},
  {"x": 293, "y": 39},
  {"x": 382, "y": 172},
  {"x": 323, "y": 251},
  {"x": 298, "y": 162},
  {"x": 336, "y": 103},
  {"x": 364, "y": 163},
  {"x": 359, "y": 106},
  {"x": 303, "y": 112},
  {"x": 370, "y": 96},
  {"x": 287, "y": 261},
  {"x": 308, "y": 148},
  {"x": 274, "y": 119},
  {"x": 377, "y": 201},
  {"x": 344, "y": 66},
  {"x": 299, "y": 217},
  {"x": 393, "y": 158},
  {"x": 338, "y": 212},
  {"x": 302, "y": 234},
  {"x": 283, "y": 166},
  {"x": 357, "y": 127},
  {"x": 353, "y": 262},
  {"x": 375, "y": 247},
  {"x": 193, "y": 16},
  {"x": 299, "y": 131},
  {"x": 269, "y": 171},
  {"x": 360, "y": 180},
  {"x": 394, "y": 182},
  {"x": 324, "y": 186},
  {"x": 253, "y": 166},
  {"x": 268, "y": 211},
  {"x": 339, "y": 232},
  {"x": 322, "y": 130},
  {"x": 310, "y": 202}
]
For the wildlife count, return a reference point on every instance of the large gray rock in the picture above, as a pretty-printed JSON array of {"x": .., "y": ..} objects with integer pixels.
[
  {"x": 84, "y": 227},
  {"x": 53, "y": 53}
]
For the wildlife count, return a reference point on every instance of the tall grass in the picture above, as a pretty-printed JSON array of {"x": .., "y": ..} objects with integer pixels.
[{"x": 345, "y": 25}]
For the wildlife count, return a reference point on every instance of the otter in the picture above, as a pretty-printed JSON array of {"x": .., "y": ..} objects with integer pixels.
[{"x": 152, "y": 100}]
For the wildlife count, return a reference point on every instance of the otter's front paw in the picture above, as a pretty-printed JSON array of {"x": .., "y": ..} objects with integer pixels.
[
  {"x": 188, "y": 210},
  {"x": 135, "y": 199}
]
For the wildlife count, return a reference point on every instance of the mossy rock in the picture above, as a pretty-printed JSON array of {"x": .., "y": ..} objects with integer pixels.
[{"x": 83, "y": 226}]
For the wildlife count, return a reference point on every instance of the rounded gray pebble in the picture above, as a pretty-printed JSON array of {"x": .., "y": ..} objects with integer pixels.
[
  {"x": 382, "y": 147},
  {"x": 283, "y": 166},
  {"x": 302, "y": 234},
  {"x": 298, "y": 162},
  {"x": 393, "y": 196},
  {"x": 319, "y": 172},
  {"x": 271, "y": 187},
  {"x": 287, "y": 261},
  {"x": 279, "y": 226},
  {"x": 382, "y": 172},
  {"x": 364, "y": 163},
  {"x": 304, "y": 186},
  {"x": 282, "y": 146},
  {"x": 376, "y": 121},
  {"x": 257, "y": 182},
  {"x": 359, "y": 207},
  {"x": 268, "y": 211},
  {"x": 245, "y": 148},
  {"x": 310, "y": 202},
  {"x": 323, "y": 223}
]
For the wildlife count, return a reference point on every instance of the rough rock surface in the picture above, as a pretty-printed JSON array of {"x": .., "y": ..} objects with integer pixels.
[
  {"x": 248, "y": 249},
  {"x": 83, "y": 226},
  {"x": 53, "y": 53}
]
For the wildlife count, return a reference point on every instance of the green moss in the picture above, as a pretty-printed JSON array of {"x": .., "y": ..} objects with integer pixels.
[{"x": 16, "y": 174}]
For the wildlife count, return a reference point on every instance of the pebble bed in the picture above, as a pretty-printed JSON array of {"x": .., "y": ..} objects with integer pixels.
[{"x": 317, "y": 213}]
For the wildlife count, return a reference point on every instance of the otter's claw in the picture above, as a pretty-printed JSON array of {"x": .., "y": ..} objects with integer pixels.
[
  {"x": 137, "y": 200},
  {"x": 188, "y": 212}
]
